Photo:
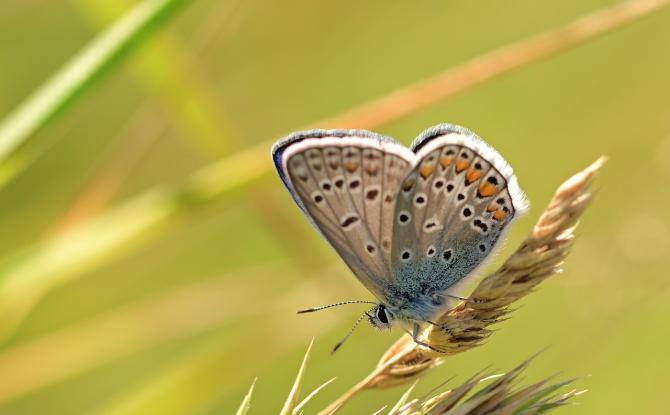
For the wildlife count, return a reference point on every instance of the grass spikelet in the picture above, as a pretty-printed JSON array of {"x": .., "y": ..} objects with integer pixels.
[{"x": 496, "y": 395}]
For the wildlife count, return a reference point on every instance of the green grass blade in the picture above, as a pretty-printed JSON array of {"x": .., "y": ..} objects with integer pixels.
[
  {"x": 246, "y": 402},
  {"x": 292, "y": 400},
  {"x": 99, "y": 56},
  {"x": 403, "y": 399}
]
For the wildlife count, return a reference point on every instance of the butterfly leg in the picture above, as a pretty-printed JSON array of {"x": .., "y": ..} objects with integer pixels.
[{"x": 415, "y": 337}]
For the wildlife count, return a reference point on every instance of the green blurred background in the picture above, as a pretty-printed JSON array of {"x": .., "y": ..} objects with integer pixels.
[{"x": 115, "y": 299}]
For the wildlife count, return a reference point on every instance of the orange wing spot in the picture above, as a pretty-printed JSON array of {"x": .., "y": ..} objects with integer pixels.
[
  {"x": 426, "y": 170},
  {"x": 487, "y": 189},
  {"x": 407, "y": 184},
  {"x": 351, "y": 167},
  {"x": 492, "y": 207},
  {"x": 472, "y": 175},
  {"x": 445, "y": 162},
  {"x": 499, "y": 215},
  {"x": 462, "y": 165},
  {"x": 372, "y": 169}
]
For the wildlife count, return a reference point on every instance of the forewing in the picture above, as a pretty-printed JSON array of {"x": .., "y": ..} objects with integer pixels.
[
  {"x": 454, "y": 205},
  {"x": 346, "y": 182}
]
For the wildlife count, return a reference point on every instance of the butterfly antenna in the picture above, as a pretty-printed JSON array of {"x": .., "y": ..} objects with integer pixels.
[
  {"x": 341, "y": 342},
  {"x": 323, "y": 307}
]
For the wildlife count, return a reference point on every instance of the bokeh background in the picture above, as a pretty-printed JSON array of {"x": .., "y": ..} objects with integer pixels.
[{"x": 132, "y": 281}]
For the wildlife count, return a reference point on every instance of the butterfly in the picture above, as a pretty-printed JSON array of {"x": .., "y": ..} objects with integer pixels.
[{"x": 410, "y": 223}]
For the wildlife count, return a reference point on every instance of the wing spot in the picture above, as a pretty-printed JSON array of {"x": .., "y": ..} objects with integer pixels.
[
  {"x": 426, "y": 170},
  {"x": 481, "y": 225},
  {"x": 385, "y": 244},
  {"x": 446, "y": 255},
  {"x": 432, "y": 225},
  {"x": 372, "y": 169},
  {"x": 406, "y": 255},
  {"x": 317, "y": 166},
  {"x": 486, "y": 190},
  {"x": 388, "y": 198},
  {"x": 370, "y": 248},
  {"x": 325, "y": 185},
  {"x": 349, "y": 221},
  {"x": 460, "y": 196},
  {"x": 407, "y": 185},
  {"x": 500, "y": 201},
  {"x": 317, "y": 197},
  {"x": 371, "y": 194},
  {"x": 450, "y": 187},
  {"x": 404, "y": 217},
  {"x": 339, "y": 182},
  {"x": 354, "y": 184},
  {"x": 351, "y": 166},
  {"x": 334, "y": 165},
  {"x": 467, "y": 212},
  {"x": 420, "y": 199},
  {"x": 430, "y": 252},
  {"x": 493, "y": 180},
  {"x": 438, "y": 184},
  {"x": 482, "y": 247}
]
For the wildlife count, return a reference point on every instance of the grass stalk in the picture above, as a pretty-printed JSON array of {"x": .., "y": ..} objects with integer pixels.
[{"x": 102, "y": 54}]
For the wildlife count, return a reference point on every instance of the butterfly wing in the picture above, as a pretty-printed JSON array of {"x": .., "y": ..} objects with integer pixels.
[
  {"x": 346, "y": 182},
  {"x": 453, "y": 207}
]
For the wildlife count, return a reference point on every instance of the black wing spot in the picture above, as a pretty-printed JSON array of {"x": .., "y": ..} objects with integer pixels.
[
  {"x": 371, "y": 194},
  {"x": 354, "y": 184},
  {"x": 460, "y": 196},
  {"x": 493, "y": 180},
  {"x": 405, "y": 255},
  {"x": 326, "y": 186},
  {"x": 349, "y": 221},
  {"x": 467, "y": 212},
  {"x": 370, "y": 248},
  {"x": 478, "y": 223},
  {"x": 404, "y": 217},
  {"x": 482, "y": 247},
  {"x": 450, "y": 187},
  {"x": 318, "y": 198},
  {"x": 446, "y": 255}
]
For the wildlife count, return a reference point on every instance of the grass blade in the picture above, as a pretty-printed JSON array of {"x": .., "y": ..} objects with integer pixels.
[
  {"x": 100, "y": 55},
  {"x": 292, "y": 400},
  {"x": 246, "y": 402}
]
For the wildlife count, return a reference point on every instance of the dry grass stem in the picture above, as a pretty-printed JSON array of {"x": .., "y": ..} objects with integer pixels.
[
  {"x": 466, "y": 325},
  {"x": 415, "y": 97}
]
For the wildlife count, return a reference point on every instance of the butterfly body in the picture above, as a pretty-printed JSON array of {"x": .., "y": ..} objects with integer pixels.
[{"x": 411, "y": 224}]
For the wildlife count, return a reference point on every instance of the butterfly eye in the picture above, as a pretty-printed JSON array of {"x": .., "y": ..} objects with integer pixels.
[{"x": 381, "y": 315}]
